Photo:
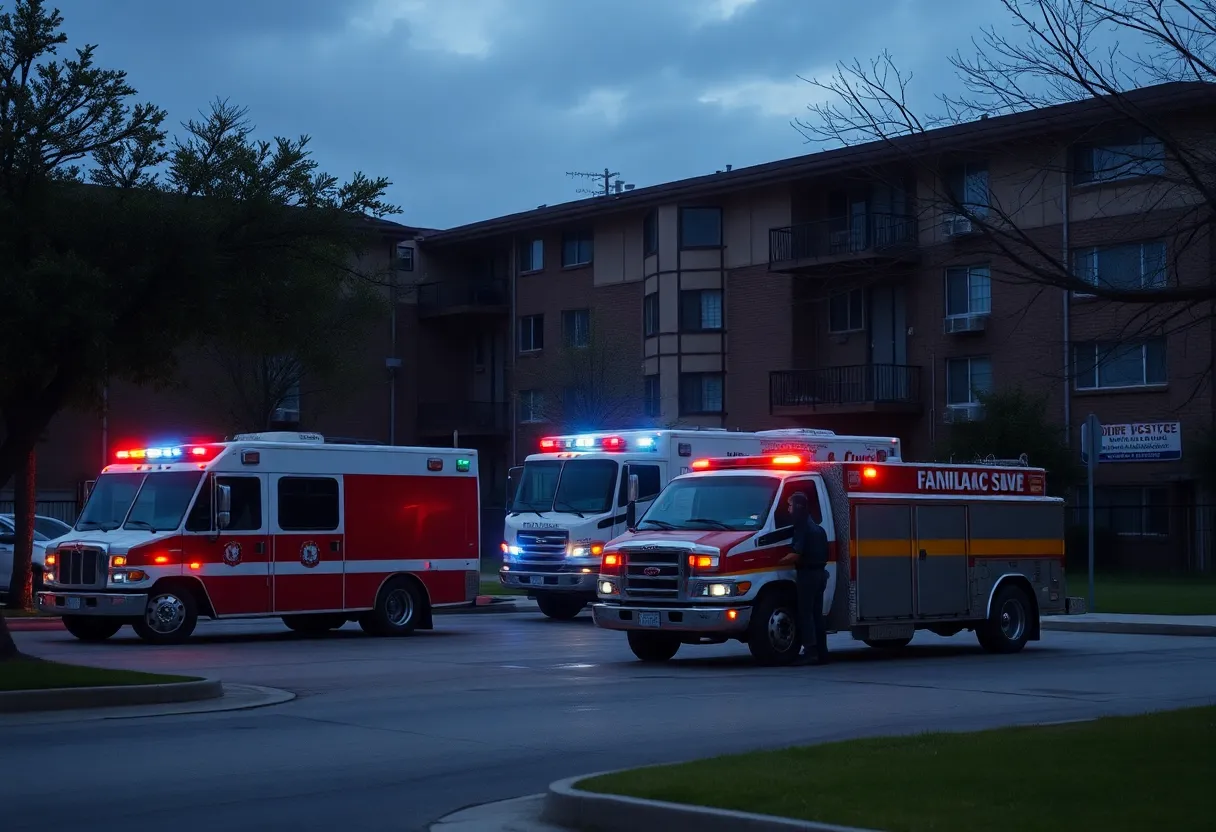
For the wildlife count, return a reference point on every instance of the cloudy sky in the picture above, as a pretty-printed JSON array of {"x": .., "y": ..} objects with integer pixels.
[{"x": 476, "y": 108}]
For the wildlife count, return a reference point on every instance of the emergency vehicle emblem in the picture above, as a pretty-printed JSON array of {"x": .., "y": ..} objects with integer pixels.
[
  {"x": 310, "y": 554},
  {"x": 232, "y": 553},
  {"x": 651, "y": 571}
]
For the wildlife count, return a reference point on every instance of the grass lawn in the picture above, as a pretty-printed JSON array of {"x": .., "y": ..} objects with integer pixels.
[
  {"x": 1148, "y": 595},
  {"x": 1120, "y": 774},
  {"x": 35, "y": 674}
]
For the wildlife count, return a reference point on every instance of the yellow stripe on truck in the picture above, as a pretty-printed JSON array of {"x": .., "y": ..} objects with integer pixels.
[{"x": 982, "y": 548}]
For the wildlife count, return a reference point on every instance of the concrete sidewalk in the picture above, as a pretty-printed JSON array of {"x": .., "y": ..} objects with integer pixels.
[{"x": 1143, "y": 625}]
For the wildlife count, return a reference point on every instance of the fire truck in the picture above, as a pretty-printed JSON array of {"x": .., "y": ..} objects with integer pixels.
[
  {"x": 268, "y": 525},
  {"x": 567, "y": 500},
  {"x": 912, "y": 546}
]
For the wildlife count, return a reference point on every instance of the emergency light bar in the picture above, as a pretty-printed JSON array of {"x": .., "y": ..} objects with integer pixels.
[
  {"x": 168, "y": 453},
  {"x": 780, "y": 461},
  {"x": 592, "y": 442}
]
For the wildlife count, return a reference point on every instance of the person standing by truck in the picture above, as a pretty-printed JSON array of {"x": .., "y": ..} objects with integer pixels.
[{"x": 810, "y": 547}]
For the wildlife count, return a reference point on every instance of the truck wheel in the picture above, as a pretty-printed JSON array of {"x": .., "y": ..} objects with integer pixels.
[
  {"x": 772, "y": 635},
  {"x": 888, "y": 643},
  {"x": 169, "y": 618},
  {"x": 1008, "y": 625},
  {"x": 313, "y": 625},
  {"x": 397, "y": 610},
  {"x": 90, "y": 629},
  {"x": 653, "y": 647},
  {"x": 562, "y": 609}
]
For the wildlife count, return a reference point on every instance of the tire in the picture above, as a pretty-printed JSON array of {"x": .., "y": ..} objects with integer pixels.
[
  {"x": 398, "y": 609},
  {"x": 888, "y": 643},
  {"x": 91, "y": 629},
  {"x": 313, "y": 625},
  {"x": 773, "y": 636},
  {"x": 653, "y": 647},
  {"x": 169, "y": 618},
  {"x": 559, "y": 608},
  {"x": 1007, "y": 627}
]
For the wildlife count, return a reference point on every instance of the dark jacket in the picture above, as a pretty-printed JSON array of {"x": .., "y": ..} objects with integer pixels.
[{"x": 810, "y": 543}]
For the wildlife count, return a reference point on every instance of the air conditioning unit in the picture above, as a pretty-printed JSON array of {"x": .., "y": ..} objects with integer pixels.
[
  {"x": 964, "y": 323},
  {"x": 957, "y": 225},
  {"x": 958, "y": 413}
]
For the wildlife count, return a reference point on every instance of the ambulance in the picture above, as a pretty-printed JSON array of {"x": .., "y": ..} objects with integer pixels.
[
  {"x": 912, "y": 546},
  {"x": 275, "y": 524},
  {"x": 567, "y": 500}
]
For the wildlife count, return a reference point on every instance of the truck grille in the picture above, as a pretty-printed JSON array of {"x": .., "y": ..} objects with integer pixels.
[
  {"x": 654, "y": 574},
  {"x": 79, "y": 567},
  {"x": 546, "y": 545}
]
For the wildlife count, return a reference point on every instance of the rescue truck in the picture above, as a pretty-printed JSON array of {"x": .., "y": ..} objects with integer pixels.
[
  {"x": 912, "y": 546},
  {"x": 567, "y": 500},
  {"x": 268, "y": 525}
]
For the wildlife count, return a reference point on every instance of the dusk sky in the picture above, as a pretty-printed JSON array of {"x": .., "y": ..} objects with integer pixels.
[{"x": 477, "y": 108}]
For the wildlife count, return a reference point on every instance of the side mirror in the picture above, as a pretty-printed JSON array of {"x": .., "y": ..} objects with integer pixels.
[
  {"x": 631, "y": 508},
  {"x": 513, "y": 475},
  {"x": 223, "y": 506},
  {"x": 8, "y": 540}
]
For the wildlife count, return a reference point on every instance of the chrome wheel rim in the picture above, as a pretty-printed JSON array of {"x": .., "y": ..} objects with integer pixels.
[
  {"x": 165, "y": 614},
  {"x": 399, "y": 607},
  {"x": 781, "y": 630},
  {"x": 1013, "y": 620}
]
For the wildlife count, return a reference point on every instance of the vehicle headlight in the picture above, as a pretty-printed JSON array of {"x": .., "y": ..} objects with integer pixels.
[
  {"x": 724, "y": 589},
  {"x": 585, "y": 550},
  {"x": 608, "y": 588},
  {"x": 128, "y": 576}
]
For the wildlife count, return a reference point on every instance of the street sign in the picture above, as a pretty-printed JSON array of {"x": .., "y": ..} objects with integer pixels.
[{"x": 1091, "y": 450}]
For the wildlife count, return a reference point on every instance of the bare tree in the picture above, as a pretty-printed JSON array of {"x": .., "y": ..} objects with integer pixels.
[{"x": 1103, "y": 58}]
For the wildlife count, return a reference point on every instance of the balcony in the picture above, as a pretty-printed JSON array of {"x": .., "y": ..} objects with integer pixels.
[
  {"x": 879, "y": 237},
  {"x": 861, "y": 388},
  {"x": 467, "y": 418},
  {"x": 445, "y": 298}
]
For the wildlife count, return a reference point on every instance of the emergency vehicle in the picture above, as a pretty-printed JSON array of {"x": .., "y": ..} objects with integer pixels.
[
  {"x": 912, "y": 546},
  {"x": 567, "y": 500},
  {"x": 273, "y": 524}
]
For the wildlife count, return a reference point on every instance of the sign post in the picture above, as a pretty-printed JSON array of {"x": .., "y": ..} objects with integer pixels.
[{"x": 1091, "y": 448}]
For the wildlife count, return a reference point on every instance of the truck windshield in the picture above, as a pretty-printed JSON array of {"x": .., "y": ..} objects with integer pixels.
[
  {"x": 725, "y": 503},
  {"x": 154, "y": 501},
  {"x": 576, "y": 486}
]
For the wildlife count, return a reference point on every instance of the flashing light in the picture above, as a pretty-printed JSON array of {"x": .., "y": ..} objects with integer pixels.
[
  {"x": 702, "y": 561},
  {"x": 196, "y": 565},
  {"x": 167, "y": 453},
  {"x": 700, "y": 464},
  {"x": 869, "y": 472},
  {"x": 593, "y": 442},
  {"x": 646, "y": 442},
  {"x": 160, "y": 560},
  {"x": 778, "y": 461},
  {"x": 787, "y": 459},
  {"x": 612, "y": 559},
  {"x": 50, "y": 560},
  {"x": 118, "y": 560},
  {"x": 732, "y": 614},
  {"x": 585, "y": 550}
]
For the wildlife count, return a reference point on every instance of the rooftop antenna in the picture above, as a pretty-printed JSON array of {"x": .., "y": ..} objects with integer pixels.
[{"x": 607, "y": 183}]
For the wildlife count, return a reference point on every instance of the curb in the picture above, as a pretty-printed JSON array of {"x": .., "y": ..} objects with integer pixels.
[
  {"x": 33, "y": 624},
  {"x": 497, "y": 604},
  {"x": 568, "y": 806},
  {"x": 112, "y": 696},
  {"x": 1130, "y": 628}
]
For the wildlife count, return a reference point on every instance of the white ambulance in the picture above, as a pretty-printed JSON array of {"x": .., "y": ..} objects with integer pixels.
[{"x": 567, "y": 500}]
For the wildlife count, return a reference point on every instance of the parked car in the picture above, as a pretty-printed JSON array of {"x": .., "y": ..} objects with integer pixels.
[{"x": 46, "y": 529}]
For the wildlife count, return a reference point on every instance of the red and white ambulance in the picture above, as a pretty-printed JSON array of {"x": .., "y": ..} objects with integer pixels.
[
  {"x": 274, "y": 524},
  {"x": 912, "y": 546}
]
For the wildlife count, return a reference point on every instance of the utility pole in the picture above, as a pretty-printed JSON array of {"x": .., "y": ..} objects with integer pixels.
[{"x": 607, "y": 185}]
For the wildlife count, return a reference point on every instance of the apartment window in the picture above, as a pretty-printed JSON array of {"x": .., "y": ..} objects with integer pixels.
[
  {"x": 532, "y": 256},
  {"x": 405, "y": 257},
  {"x": 652, "y": 397},
  {"x": 846, "y": 311},
  {"x": 968, "y": 185},
  {"x": 1110, "y": 366},
  {"x": 1133, "y": 511},
  {"x": 531, "y": 406},
  {"x": 576, "y": 327},
  {"x": 700, "y": 310},
  {"x": 576, "y": 249},
  {"x": 967, "y": 379},
  {"x": 700, "y": 227},
  {"x": 650, "y": 234},
  {"x": 531, "y": 333},
  {"x": 650, "y": 315},
  {"x": 1119, "y": 159},
  {"x": 1129, "y": 266},
  {"x": 968, "y": 291},
  {"x": 700, "y": 393}
]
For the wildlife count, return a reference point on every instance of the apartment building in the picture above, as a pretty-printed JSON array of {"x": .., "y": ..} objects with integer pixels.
[{"x": 861, "y": 290}]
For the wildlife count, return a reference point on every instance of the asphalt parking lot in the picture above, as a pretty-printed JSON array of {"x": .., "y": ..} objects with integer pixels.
[{"x": 393, "y": 734}]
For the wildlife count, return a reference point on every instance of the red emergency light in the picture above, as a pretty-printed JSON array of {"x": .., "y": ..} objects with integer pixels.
[
  {"x": 777, "y": 461},
  {"x": 168, "y": 453},
  {"x": 583, "y": 443}
]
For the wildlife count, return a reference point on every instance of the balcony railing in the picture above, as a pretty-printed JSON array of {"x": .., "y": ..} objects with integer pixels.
[
  {"x": 842, "y": 239},
  {"x": 454, "y": 297},
  {"x": 472, "y": 418},
  {"x": 857, "y": 388}
]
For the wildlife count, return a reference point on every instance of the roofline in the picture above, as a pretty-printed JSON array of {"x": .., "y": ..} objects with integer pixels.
[{"x": 1173, "y": 96}]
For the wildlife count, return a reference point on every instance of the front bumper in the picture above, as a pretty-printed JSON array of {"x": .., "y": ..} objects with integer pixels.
[
  {"x": 53, "y": 602},
  {"x": 708, "y": 620},
  {"x": 518, "y": 577}
]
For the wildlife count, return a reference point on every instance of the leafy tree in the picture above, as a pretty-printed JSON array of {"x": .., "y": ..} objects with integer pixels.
[
  {"x": 1014, "y": 423},
  {"x": 119, "y": 246}
]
